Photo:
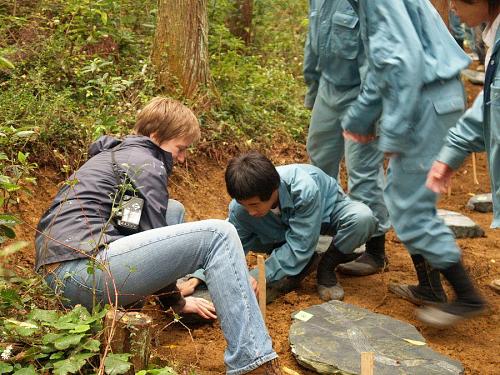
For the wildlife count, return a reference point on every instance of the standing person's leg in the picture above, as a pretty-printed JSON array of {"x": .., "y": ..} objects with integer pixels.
[
  {"x": 325, "y": 142},
  {"x": 412, "y": 207},
  {"x": 352, "y": 224},
  {"x": 365, "y": 165},
  {"x": 146, "y": 262}
]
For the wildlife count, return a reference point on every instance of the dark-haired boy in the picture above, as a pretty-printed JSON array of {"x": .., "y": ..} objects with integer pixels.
[{"x": 282, "y": 211}]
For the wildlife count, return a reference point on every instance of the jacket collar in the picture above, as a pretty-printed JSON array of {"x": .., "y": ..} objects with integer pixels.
[{"x": 284, "y": 196}]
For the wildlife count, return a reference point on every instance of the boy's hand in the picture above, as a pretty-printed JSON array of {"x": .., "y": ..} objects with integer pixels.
[
  {"x": 187, "y": 288},
  {"x": 200, "y": 306},
  {"x": 255, "y": 286}
]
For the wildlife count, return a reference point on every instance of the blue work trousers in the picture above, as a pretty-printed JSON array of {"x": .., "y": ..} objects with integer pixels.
[
  {"x": 412, "y": 207},
  {"x": 143, "y": 263},
  {"x": 325, "y": 146}
]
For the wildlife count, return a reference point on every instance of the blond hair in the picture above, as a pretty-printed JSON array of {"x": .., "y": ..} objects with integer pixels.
[{"x": 166, "y": 119}]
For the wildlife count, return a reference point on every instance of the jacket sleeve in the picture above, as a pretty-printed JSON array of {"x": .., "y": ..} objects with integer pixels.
[
  {"x": 399, "y": 75},
  {"x": 311, "y": 74},
  {"x": 466, "y": 137},
  {"x": 301, "y": 237},
  {"x": 366, "y": 109}
]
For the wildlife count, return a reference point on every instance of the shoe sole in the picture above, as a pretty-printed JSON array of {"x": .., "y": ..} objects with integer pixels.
[
  {"x": 347, "y": 271},
  {"x": 440, "y": 319},
  {"x": 405, "y": 293}
]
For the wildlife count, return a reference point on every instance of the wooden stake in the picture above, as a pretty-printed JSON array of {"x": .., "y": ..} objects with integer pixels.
[
  {"x": 262, "y": 285},
  {"x": 474, "y": 168},
  {"x": 131, "y": 335},
  {"x": 367, "y": 363}
]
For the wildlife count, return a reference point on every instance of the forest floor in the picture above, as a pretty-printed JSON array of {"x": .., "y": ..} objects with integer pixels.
[{"x": 476, "y": 343}]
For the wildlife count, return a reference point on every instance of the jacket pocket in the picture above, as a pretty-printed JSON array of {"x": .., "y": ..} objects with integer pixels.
[
  {"x": 345, "y": 35},
  {"x": 495, "y": 112}
]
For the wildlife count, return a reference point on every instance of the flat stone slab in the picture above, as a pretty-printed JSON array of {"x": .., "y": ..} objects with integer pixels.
[
  {"x": 462, "y": 226},
  {"x": 474, "y": 76},
  {"x": 329, "y": 339},
  {"x": 481, "y": 203}
]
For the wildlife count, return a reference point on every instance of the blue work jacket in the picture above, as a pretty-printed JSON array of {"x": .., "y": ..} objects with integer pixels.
[
  {"x": 333, "y": 49},
  {"x": 307, "y": 198},
  {"x": 407, "y": 46},
  {"x": 479, "y": 130}
]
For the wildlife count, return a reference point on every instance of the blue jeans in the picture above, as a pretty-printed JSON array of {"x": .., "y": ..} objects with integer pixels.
[{"x": 143, "y": 263}]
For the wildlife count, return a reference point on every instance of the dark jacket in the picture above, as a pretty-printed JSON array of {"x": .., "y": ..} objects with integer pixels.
[{"x": 76, "y": 222}]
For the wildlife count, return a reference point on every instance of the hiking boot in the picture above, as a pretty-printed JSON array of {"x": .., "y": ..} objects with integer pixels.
[
  {"x": 328, "y": 286},
  {"x": 271, "y": 367},
  {"x": 373, "y": 260},
  {"x": 429, "y": 289},
  {"x": 468, "y": 302}
]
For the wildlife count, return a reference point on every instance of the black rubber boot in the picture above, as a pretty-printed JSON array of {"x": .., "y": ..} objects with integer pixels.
[
  {"x": 287, "y": 284},
  {"x": 468, "y": 302},
  {"x": 373, "y": 260},
  {"x": 328, "y": 286},
  {"x": 429, "y": 289}
]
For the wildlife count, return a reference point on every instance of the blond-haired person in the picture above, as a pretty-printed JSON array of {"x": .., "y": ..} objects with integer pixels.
[{"x": 147, "y": 258}]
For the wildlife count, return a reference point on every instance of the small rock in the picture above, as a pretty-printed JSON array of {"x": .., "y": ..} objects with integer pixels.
[
  {"x": 329, "y": 339},
  {"x": 461, "y": 225},
  {"x": 325, "y": 241},
  {"x": 481, "y": 203}
]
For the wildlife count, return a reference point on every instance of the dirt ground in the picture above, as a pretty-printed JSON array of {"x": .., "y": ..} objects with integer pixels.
[{"x": 199, "y": 348}]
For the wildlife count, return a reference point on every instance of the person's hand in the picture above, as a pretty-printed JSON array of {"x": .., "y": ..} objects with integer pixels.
[
  {"x": 439, "y": 177},
  {"x": 390, "y": 154},
  {"x": 200, "y": 306},
  {"x": 255, "y": 286},
  {"x": 358, "y": 138},
  {"x": 187, "y": 288}
]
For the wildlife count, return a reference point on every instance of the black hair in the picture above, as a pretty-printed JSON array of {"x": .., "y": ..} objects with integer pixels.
[{"x": 251, "y": 175}]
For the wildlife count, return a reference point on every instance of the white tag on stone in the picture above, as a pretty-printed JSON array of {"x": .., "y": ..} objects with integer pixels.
[{"x": 303, "y": 316}]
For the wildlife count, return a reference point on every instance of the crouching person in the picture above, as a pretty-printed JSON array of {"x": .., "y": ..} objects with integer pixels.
[
  {"x": 144, "y": 251},
  {"x": 282, "y": 211}
]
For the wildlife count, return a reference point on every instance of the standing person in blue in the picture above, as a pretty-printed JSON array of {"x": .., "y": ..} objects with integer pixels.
[
  {"x": 283, "y": 210},
  {"x": 414, "y": 65},
  {"x": 145, "y": 253},
  {"x": 334, "y": 66},
  {"x": 479, "y": 129}
]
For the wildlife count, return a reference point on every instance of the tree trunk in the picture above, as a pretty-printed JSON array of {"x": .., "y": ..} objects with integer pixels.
[
  {"x": 443, "y": 8},
  {"x": 180, "y": 47},
  {"x": 240, "y": 21}
]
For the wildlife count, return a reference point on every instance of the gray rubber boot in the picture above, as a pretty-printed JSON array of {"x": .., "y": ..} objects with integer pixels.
[
  {"x": 328, "y": 286},
  {"x": 373, "y": 260},
  {"x": 429, "y": 290},
  {"x": 468, "y": 302}
]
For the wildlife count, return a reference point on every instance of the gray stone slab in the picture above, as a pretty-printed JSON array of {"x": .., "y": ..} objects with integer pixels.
[
  {"x": 325, "y": 241},
  {"x": 474, "y": 76},
  {"x": 462, "y": 226},
  {"x": 332, "y": 339},
  {"x": 481, "y": 203}
]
